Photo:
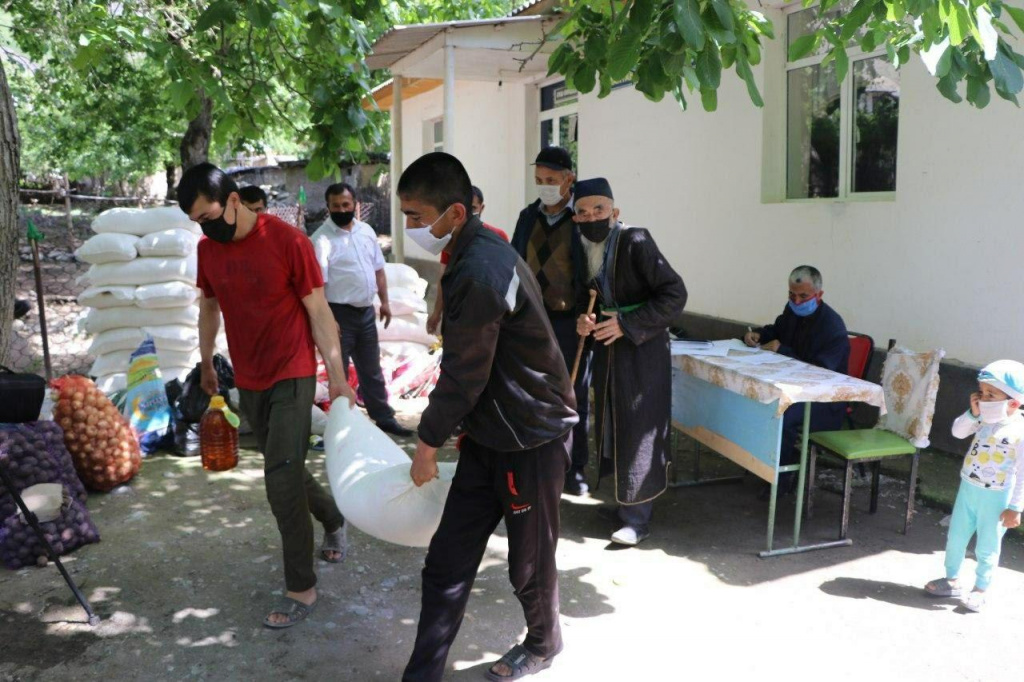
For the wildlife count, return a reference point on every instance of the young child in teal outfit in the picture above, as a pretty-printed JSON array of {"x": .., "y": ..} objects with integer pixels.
[{"x": 991, "y": 495}]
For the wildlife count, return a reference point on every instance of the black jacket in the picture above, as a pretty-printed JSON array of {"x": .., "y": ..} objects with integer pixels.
[
  {"x": 521, "y": 238},
  {"x": 819, "y": 339},
  {"x": 502, "y": 375}
]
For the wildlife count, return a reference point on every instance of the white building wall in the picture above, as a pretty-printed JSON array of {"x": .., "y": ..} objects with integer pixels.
[
  {"x": 489, "y": 141},
  {"x": 936, "y": 267}
]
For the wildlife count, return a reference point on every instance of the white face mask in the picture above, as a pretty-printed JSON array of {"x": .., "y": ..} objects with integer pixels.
[
  {"x": 549, "y": 195},
  {"x": 993, "y": 412},
  {"x": 427, "y": 241}
]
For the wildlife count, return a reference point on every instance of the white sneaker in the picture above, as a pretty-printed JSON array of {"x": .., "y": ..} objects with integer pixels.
[
  {"x": 629, "y": 536},
  {"x": 975, "y": 601}
]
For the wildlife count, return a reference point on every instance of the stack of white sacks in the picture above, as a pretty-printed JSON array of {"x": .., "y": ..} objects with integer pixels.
[
  {"x": 409, "y": 368},
  {"x": 142, "y": 282}
]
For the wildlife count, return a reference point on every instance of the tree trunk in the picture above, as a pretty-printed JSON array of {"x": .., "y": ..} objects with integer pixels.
[
  {"x": 10, "y": 174},
  {"x": 170, "y": 171},
  {"x": 195, "y": 145}
]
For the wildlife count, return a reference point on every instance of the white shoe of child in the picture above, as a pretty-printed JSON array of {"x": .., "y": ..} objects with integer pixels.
[{"x": 975, "y": 601}]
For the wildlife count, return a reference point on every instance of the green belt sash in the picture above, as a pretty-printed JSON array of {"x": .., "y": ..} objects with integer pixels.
[{"x": 624, "y": 308}]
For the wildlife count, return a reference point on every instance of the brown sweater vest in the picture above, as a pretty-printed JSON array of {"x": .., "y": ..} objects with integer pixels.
[{"x": 549, "y": 255}]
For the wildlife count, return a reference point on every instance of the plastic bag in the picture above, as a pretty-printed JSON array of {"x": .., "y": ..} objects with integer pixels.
[
  {"x": 194, "y": 401},
  {"x": 146, "y": 405},
  {"x": 99, "y": 438}
]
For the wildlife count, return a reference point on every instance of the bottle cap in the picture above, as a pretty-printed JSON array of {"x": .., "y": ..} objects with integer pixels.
[{"x": 217, "y": 402}]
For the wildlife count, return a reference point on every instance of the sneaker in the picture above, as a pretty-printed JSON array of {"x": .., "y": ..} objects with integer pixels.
[
  {"x": 576, "y": 484},
  {"x": 975, "y": 601},
  {"x": 629, "y": 536},
  {"x": 394, "y": 428}
]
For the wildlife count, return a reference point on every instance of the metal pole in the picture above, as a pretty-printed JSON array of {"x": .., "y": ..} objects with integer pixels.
[
  {"x": 42, "y": 309},
  {"x": 397, "y": 219},
  {"x": 449, "y": 99},
  {"x": 801, "y": 477}
]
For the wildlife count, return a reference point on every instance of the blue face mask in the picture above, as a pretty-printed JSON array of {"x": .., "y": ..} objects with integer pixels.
[{"x": 804, "y": 309}]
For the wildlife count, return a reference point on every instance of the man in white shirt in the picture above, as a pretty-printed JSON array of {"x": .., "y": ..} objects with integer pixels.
[{"x": 353, "y": 269}]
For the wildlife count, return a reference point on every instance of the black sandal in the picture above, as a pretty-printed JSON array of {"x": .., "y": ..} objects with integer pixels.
[{"x": 521, "y": 662}]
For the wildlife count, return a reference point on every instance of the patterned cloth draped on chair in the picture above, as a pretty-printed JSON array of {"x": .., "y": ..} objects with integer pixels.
[{"x": 910, "y": 381}]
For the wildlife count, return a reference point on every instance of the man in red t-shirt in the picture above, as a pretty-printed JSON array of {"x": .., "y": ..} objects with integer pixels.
[
  {"x": 434, "y": 321},
  {"x": 262, "y": 274}
]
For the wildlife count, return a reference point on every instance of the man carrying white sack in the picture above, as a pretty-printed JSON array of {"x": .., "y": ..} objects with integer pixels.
[
  {"x": 504, "y": 379},
  {"x": 263, "y": 275},
  {"x": 353, "y": 270}
]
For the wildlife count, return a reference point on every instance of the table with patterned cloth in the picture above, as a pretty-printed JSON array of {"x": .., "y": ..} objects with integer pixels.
[{"x": 734, "y": 405}]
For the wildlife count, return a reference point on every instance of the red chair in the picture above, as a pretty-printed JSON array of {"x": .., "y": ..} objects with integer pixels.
[{"x": 862, "y": 347}]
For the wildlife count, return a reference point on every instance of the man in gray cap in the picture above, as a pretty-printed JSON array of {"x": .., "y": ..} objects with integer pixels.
[
  {"x": 547, "y": 240},
  {"x": 640, "y": 296}
]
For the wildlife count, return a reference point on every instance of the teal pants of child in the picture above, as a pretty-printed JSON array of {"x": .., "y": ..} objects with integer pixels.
[{"x": 976, "y": 510}]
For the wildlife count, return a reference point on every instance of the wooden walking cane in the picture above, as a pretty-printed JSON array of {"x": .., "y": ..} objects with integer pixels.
[{"x": 583, "y": 340}]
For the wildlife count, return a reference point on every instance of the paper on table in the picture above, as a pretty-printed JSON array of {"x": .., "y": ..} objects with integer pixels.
[
  {"x": 752, "y": 356},
  {"x": 714, "y": 349}
]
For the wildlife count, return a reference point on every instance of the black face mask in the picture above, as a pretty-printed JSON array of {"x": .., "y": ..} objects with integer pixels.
[
  {"x": 595, "y": 230},
  {"x": 219, "y": 230},
  {"x": 342, "y": 218}
]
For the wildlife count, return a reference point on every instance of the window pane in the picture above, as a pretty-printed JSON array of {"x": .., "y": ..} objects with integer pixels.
[
  {"x": 438, "y": 132},
  {"x": 807, "y": 21},
  {"x": 546, "y": 131},
  {"x": 876, "y": 86},
  {"x": 567, "y": 135},
  {"x": 812, "y": 133},
  {"x": 556, "y": 95}
]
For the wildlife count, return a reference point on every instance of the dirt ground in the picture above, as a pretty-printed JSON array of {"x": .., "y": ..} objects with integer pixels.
[{"x": 190, "y": 561}]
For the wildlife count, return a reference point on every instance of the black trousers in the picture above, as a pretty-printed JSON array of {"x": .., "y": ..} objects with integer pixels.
[
  {"x": 524, "y": 488},
  {"x": 564, "y": 325},
  {"x": 359, "y": 343}
]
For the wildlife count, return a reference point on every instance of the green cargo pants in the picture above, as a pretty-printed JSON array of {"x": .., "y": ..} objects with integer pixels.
[{"x": 280, "y": 420}]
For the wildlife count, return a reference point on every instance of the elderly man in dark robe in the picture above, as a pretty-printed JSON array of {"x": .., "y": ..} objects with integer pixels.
[{"x": 639, "y": 296}]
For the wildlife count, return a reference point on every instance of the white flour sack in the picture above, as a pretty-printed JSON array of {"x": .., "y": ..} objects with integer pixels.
[
  {"x": 369, "y": 476},
  {"x": 176, "y": 242},
  {"x": 402, "y": 302},
  {"x": 402, "y": 276},
  {"x": 108, "y": 248},
  {"x": 143, "y": 271},
  {"x": 107, "y": 297},
  {"x": 98, "y": 321},
  {"x": 166, "y": 295},
  {"x": 406, "y": 328},
  {"x": 142, "y": 221}
]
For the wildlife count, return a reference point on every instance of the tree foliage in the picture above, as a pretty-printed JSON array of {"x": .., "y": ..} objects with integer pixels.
[{"x": 683, "y": 46}]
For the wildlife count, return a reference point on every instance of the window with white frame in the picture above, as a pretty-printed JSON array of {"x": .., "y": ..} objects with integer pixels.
[
  {"x": 840, "y": 136},
  {"x": 559, "y": 118},
  {"x": 433, "y": 135}
]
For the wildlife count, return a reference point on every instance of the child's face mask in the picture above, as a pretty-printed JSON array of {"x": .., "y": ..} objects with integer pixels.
[{"x": 993, "y": 411}]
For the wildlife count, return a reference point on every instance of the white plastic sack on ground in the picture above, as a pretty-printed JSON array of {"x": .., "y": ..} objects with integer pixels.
[
  {"x": 319, "y": 423},
  {"x": 369, "y": 476},
  {"x": 406, "y": 328},
  {"x": 165, "y": 295},
  {"x": 401, "y": 349},
  {"x": 98, "y": 321},
  {"x": 142, "y": 221},
  {"x": 118, "y": 361},
  {"x": 107, "y": 297},
  {"x": 403, "y": 302},
  {"x": 112, "y": 383},
  {"x": 108, "y": 248},
  {"x": 176, "y": 242},
  {"x": 143, "y": 271},
  {"x": 402, "y": 276}
]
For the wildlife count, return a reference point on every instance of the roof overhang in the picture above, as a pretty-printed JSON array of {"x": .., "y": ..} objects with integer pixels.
[{"x": 506, "y": 48}]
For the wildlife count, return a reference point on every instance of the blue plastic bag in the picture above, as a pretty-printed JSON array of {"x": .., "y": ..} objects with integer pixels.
[{"x": 146, "y": 405}]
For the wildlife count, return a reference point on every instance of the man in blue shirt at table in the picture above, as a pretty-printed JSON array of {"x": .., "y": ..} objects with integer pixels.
[{"x": 811, "y": 331}]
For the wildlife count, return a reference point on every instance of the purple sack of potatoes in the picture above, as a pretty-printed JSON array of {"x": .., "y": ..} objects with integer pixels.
[{"x": 30, "y": 454}]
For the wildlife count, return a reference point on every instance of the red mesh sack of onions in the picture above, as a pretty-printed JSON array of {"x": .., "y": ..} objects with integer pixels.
[{"x": 100, "y": 440}]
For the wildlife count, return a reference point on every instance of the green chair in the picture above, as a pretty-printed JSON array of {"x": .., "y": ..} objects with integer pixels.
[{"x": 910, "y": 382}]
